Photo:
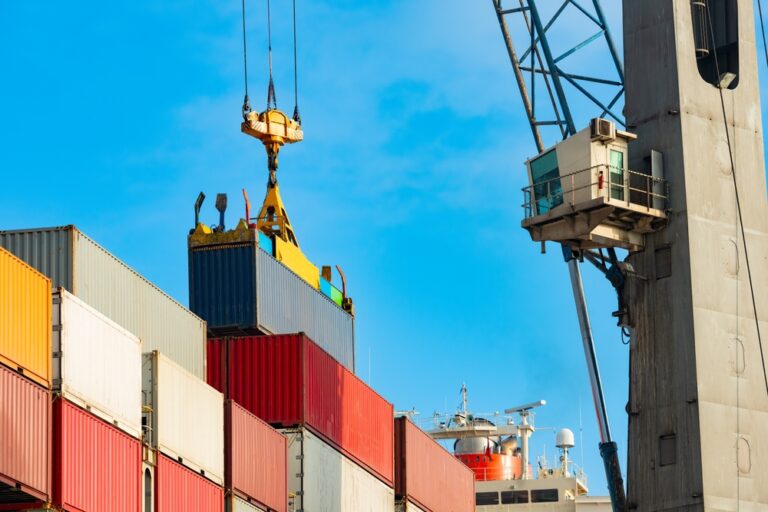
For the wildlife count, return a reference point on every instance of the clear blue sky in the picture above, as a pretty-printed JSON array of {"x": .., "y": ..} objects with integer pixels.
[{"x": 115, "y": 116}]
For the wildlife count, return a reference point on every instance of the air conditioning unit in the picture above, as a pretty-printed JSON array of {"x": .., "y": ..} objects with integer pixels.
[{"x": 602, "y": 130}]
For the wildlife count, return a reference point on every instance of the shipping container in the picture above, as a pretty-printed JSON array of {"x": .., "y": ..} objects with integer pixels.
[
  {"x": 323, "y": 480},
  {"x": 96, "y": 363},
  {"x": 238, "y": 288},
  {"x": 255, "y": 459},
  {"x": 237, "y": 504},
  {"x": 25, "y": 319},
  {"x": 184, "y": 415},
  {"x": 177, "y": 489},
  {"x": 287, "y": 380},
  {"x": 25, "y": 440},
  {"x": 96, "y": 467},
  {"x": 75, "y": 262},
  {"x": 406, "y": 506},
  {"x": 427, "y": 475}
]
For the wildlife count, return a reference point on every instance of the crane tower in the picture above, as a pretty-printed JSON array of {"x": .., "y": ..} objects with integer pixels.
[{"x": 698, "y": 402}]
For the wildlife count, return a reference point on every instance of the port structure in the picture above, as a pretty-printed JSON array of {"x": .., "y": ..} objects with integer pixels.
[
  {"x": 690, "y": 292},
  {"x": 582, "y": 193},
  {"x": 540, "y": 67}
]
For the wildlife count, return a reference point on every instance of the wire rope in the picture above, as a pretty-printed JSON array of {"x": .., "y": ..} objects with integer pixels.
[
  {"x": 296, "y": 115},
  {"x": 246, "y": 100}
]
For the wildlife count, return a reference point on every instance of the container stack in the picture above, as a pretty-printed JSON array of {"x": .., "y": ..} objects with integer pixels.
[
  {"x": 255, "y": 457},
  {"x": 25, "y": 378},
  {"x": 427, "y": 477},
  {"x": 340, "y": 432},
  {"x": 185, "y": 428},
  {"x": 97, "y": 409},
  {"x": 238, "y": 285},
  {"x": 73, "y": 261}
]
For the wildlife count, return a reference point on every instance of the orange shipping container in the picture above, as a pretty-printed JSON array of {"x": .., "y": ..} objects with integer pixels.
[{"x": 25, "y": 319}]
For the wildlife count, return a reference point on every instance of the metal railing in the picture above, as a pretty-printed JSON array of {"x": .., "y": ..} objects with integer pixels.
[{"x": 615, "y": 185}]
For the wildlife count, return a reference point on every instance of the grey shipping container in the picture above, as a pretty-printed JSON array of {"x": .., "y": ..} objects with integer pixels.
[
  {"x": 239, "y": 289},
  {"x": 75, "y": 262}
]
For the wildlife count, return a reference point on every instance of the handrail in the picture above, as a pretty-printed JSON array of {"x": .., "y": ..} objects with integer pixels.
[{"x": 613, "y": 183}]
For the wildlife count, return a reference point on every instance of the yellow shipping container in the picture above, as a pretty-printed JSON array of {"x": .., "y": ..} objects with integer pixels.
[{"x": 25, "y": 319}]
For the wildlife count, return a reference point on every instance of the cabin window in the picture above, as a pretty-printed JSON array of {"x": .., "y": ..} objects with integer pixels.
[
  {"x": 617, "y": 174},
  {"x": 511, "y": 497},
  {"x": 487, "y": 498},
  {"x": 716, "y": 38},
  {"x": 547, "y": 189},
  {"x": 544, "y": 495}
]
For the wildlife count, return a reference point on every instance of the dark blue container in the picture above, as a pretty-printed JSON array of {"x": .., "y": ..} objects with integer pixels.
[
  {"x": 222, "y": 287},
  {"x": 238, "y": 287}
]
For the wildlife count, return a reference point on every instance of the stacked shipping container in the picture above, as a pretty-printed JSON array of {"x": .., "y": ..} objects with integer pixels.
[
  {"x": 25, "y": 319},
  {"x": 239, "y": 288},
  {"x": 185, "y": 416},
  {"x": 288, "y": 381},
  {"x": 25, "y": 377},
  {"x": 75, "y": 262},
  {"x": 25, "y": 440},
  {"x": 323, "y": 479},
  {"x": 179, "y": 489},
  {"x": 96, "y": 363},
  {"x": 255, "y": 460},
  {"x": 427, "y": 476},
  {"x": 96, "y": 466}
]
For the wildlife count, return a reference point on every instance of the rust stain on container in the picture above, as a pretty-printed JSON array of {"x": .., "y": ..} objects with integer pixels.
[{"x": 25, "y": 319}]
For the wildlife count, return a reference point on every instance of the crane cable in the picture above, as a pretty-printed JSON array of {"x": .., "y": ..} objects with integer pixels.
[
  {"x": 296, "y": 115},
  {"x": 738, "y": 200},
  {"x": 762, "y": 29},
  {"x": 271, "y": 97},
  {"x": 246, "y": 100}
]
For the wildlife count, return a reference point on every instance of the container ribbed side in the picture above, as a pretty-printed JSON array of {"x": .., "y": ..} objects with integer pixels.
[{"x": 25, "y": 439}]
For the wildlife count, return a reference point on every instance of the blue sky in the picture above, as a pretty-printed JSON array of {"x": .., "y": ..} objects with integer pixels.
[{"x": 117, "y": 114}]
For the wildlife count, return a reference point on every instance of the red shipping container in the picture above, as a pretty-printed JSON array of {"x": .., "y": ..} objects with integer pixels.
[
  {"x": 255, "y": 459},
  {"x": 180, "y": 489},
  {"x": 428, "y": 475},
  {"x": 287, "y": 380},
  {"x": 25, "y": 440},
  {"x": 96, "y": 466}
]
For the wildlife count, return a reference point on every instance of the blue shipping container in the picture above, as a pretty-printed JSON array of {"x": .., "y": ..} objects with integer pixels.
[{"x": 238, "y": 288}]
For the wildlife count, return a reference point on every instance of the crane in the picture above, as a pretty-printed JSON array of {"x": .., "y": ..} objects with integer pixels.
[
  {"x": 688, "y": 292},
  {"x": 545, "y": 71}
]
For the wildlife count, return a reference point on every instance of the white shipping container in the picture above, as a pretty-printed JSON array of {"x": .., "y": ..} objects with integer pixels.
[
  {"x": 96, "y": 363},
  {"x": 406, "y": 506},
  {"x": 185, "y": 416},
  {"x": 75, "y": 262},
  {"x": 322, "y": 479},
  {"x": 235, "y": 504}
]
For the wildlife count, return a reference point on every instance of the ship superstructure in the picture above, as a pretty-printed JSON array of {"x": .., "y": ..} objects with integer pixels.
[{"x": 497, "y": 448}]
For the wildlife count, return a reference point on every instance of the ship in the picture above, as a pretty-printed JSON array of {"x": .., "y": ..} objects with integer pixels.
[{"x": 496, "y": 448}]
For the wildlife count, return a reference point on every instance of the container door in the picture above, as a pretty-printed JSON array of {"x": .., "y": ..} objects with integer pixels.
[{"x": 616, "y": 173}]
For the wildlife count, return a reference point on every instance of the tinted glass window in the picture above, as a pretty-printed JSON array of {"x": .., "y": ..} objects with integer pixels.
[
  {"x": 487, "y": 498},
  {"x": 548, "y": 191},
  {"x": 544, "y": 495},
  {"x": 508, "y": 497}
]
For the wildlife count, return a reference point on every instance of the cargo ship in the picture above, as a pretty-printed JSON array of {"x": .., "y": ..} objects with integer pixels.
[{"x": 496, "y": 448}]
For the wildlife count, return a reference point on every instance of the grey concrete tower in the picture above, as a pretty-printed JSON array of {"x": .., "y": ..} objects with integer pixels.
[{"x": 698, "y": 405}]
